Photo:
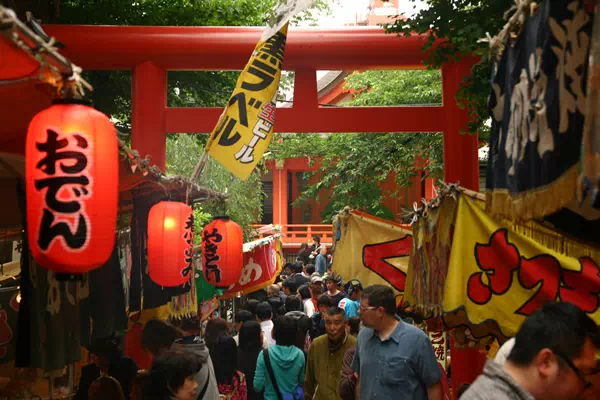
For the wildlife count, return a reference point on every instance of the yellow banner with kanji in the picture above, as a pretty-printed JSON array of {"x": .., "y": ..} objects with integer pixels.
[
  {"x": 503, "y": 272},
  {"x": 245, "y": 128},
  {"x": 370, "y": 249}
]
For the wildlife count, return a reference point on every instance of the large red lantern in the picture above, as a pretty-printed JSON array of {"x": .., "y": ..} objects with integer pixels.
[
  {"x": 222, "y": 252},
  {"x": 72, "y": 187},
  {"x": 170, "y": 243}
]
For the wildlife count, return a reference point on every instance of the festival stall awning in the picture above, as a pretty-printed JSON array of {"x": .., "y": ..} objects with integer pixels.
[
  {"x": 484, "y": 276},
  {"x": 371, "y": 249}
]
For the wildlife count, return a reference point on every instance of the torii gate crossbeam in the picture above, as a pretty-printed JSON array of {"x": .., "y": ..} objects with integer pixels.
[{"x": 151, "y": 51}]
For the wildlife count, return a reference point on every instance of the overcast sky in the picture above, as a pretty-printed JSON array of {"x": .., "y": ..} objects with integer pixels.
[{"x": 345, "y": 10}]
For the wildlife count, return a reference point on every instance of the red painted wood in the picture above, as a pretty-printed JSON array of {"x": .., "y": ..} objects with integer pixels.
[
  {"x": 280, "y": 196},
  {"x": 221, "y": 48},
  {"x": 149, "y": 101},
  {"x": 322, "y": 119},
  {"x": 461, "y": 162},
  {"x": 306, "y": 97}
]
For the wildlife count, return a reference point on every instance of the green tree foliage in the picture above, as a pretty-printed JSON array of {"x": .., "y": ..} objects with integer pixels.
[
  {"x": 244, "y": 205},
  {"x": 353, "y": 165},
  {"x": 112, "y": 89},
  {"x": 459, "y": 25}
]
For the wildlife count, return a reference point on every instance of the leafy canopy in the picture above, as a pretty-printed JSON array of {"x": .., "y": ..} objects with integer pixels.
[
  {"x": 354, "y": 165},
  {"x": 459, "y": 24}
]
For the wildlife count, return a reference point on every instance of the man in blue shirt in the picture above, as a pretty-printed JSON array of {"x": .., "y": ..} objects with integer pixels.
[
  {"x": 393, "y": 360},
  {"x": 321, "y": 261},
  {"x": 350, "y": 304}
]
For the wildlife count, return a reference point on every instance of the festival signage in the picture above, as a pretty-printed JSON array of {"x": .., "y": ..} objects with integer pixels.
[
  {"x": 262, "y": 264},
  {"x": 503, "y": 272},
  {"x": 370, "y": 249},
  {"x": 245, "y": 128},
  {"x": 439, "y": 342}
]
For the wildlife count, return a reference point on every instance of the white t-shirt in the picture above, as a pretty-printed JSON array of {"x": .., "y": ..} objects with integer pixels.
[
  {"x": 267, "y": 328},
  {"x": 309, "y": 307}
]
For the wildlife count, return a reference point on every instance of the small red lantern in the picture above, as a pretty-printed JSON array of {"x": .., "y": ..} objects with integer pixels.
[
  {"x": 222, "y": 252},
  {"x": 72, "y": 187},
  {"x": 170, "y": 243}
]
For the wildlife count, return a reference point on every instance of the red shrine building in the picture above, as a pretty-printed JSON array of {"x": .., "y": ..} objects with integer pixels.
[{"x": 285, "y": 181}]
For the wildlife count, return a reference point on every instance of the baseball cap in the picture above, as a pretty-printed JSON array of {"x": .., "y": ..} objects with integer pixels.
[
  {"x": 352, "y": 285},
  {"x": 316, "y": 279}
]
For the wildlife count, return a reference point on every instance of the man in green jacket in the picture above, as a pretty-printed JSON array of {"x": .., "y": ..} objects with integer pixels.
[{"x": 322, "y": 379}]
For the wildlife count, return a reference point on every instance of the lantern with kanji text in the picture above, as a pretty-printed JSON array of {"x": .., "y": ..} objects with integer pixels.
[
  {"x": 72, "y": 187},
  {"x": 222, "y": 252},
  {"x": 170, "y": 243}
]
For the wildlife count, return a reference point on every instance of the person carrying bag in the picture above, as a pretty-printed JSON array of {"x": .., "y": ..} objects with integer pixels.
[{"x": 298, "y": 393}]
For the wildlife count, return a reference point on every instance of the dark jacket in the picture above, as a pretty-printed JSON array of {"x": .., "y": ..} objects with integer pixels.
[
  {"x": 348, "y": 380},
  {"x": 317, "y": 326}
]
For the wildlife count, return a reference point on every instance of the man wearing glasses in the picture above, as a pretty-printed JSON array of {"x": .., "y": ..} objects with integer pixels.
[
  {"x": 393, "y": 360},
  {"x": 554, "y": 357}
]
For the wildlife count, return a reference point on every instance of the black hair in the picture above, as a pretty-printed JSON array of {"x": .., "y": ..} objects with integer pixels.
[
  {"x": 215, "y": 328},
  {"x": 354, "y": 323},
  {"x": 303, "y": 246},
  {"x": 291, "y": 285},
  {"x": 243, "y": 316},
  {"x": 288, "y": 265},
  {"x": 324, "y": 301},
  {"x": 560, "y": 327},
  {"x": 335, "y": 310},
  {"x": 159, "y": 335},
  {"x": 169, "y": 372},
  {"x": 251, "y": 305},
  {"x": 284, "y": 331},
  {"x": 303, "y": 324},
  {"x": 107, "y": 347},
  {"x": 304, "y": 292},
  {"x": 250, "y": 336},
  {"x": 225, "y": 368},
  {"x": 293, "y": 303},
  {"x": 298, "y": 267},
  {"x": 317, "y": 239},
  {"x": 264, "y": 311},
  {"x": 310, "y": 269},
  {"x": 381, "y": 296}
]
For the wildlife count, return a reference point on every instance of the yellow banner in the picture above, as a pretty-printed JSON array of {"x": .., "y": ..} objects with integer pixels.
[
  {"x": 245, "y": 128},
  {"x": 503, "y": 272},
  {"x": 370, "y": 249}
]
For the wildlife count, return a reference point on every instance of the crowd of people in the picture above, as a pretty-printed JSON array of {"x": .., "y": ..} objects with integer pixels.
[{"x": 313, "y": 336}]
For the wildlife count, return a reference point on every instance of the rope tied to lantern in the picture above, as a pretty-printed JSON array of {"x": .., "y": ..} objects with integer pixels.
[{"x": 55, "y": 69}]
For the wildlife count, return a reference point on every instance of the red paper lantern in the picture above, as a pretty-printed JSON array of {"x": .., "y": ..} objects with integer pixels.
[
  {"x": 222, "y": 252},
  {"x": 170, "y": 243},
  {"x": 72, "y": 187}
]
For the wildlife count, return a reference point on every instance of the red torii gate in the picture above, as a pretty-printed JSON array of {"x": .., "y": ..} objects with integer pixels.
[{"x": 149, "y": 52}]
